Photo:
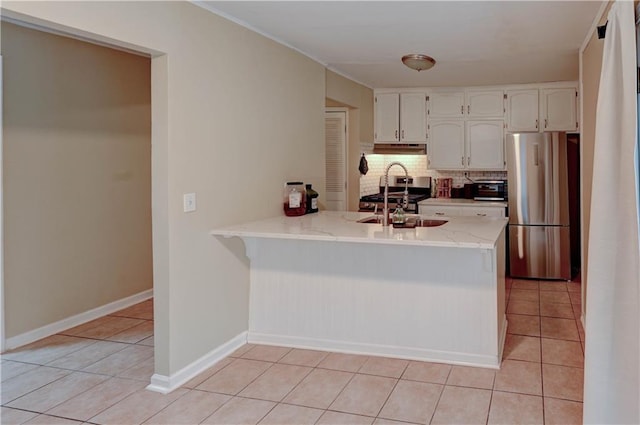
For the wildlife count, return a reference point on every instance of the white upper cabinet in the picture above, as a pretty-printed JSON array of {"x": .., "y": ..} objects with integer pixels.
[
  {"x": 485, "y": 144},
  {"x": 485, "y": 104},
  {"x": 400, "y": 118},
  {"x": 464, "y": 127},
  {"x": 471, "y": 103},
  {"x": 549, "y": 109},
  {"x": 522, "y": 110},
  {"x": 466, "y": 145},
  {"x": 446, "y": 104},
  {"x": 387, "y": 117},
  {"x": 558, "y": 109},
  {"x": 445, "y": 150},
  {"x": 413, "y": 118}
]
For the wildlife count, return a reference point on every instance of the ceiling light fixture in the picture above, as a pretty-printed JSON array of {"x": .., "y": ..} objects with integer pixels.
[{"x": 418, "y": 62}]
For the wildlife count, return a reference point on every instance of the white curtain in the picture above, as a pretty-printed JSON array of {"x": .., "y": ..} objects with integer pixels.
[{"x": 612, "y": 353}]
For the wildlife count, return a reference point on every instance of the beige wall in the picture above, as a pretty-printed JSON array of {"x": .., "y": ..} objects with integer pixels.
[
  {"x": 591, "y": 66},
  {"x": 77, "y": 177},
  {"x": 242, "y": 115},
  {"x": 359, "y": 99}
]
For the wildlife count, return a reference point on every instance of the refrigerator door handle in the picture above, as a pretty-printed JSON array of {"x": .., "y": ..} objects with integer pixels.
[{"x": 536, "y": 154}]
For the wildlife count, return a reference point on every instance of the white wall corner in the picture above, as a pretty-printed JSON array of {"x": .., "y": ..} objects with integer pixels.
[
  {"x": 594, "y": 25},
  {"x": 166, "y": 384},
  {"x": 78, "y": 319}
]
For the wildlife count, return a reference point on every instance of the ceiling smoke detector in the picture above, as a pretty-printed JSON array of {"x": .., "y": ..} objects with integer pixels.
[{"x": 418, "y": 62}]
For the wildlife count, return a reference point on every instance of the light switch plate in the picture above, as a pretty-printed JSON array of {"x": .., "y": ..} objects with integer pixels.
[{"x": 189, "y": 200}]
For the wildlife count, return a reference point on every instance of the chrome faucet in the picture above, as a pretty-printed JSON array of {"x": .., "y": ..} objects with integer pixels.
[{"x": 405, "y": 197}]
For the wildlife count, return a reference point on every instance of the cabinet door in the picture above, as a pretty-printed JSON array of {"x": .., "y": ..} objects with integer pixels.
[
  {"x": 440, "y": 211},
  {"x": 559, "y": 109},
  {"x": 449, "y": 104},
  {"x": 485, "y": 104},
  {"x": 485, "y": 145},
  {"x": 522, "y": 110},
  {"x": 446, "y": 145},
  {"x": 387, "y": 117},
  {"x": 483, "y": 211},
  {"x": 413, "y": 118}
]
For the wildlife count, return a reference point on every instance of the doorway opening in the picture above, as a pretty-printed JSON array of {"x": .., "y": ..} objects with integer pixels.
[{"x": 73, "y": 156}]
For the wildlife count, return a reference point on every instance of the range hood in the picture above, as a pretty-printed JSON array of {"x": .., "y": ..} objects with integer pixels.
[{"x": 399, "y": 148}]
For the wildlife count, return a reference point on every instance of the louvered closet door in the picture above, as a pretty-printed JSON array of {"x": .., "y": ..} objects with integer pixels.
[{"x": 335, "y": 134}]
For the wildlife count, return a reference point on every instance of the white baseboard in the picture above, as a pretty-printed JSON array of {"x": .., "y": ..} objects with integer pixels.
[
  {"x": 78, "y": 319},
  {"x": 165, "y": 384},
  {"x": 408, "y": 353}
]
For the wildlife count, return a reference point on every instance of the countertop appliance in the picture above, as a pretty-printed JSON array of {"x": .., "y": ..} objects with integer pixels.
[
  {"x": 490, "y": 190},
  {"x": 539, "y": 230},
  {"x": 419, "y": 190}
]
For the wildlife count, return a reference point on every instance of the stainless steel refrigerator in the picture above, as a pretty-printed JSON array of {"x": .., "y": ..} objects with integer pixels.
[{"x": 539, "y": 231}]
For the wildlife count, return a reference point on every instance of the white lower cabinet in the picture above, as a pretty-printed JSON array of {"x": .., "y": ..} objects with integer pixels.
[
  {"x": 440, "y": 211},
  {"x": 483, "y": 211},
  {"x": 463, "y": 210}
]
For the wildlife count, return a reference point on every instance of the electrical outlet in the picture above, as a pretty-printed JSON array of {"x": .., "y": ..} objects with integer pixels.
[{"x": 189, "y": 202}]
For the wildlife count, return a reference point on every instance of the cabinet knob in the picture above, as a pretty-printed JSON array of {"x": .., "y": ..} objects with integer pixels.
[
  {"x": 536, "y": 124},
  {"x": 402, "y": 134},
  {"x": 397, "y": 134},
  {"x": 545, "y": 123},
  {"x": 462, "y": 110},
  {"x": 439, "y": 213},
  {"x": 468, "y": 109},
  {"x": 462, "y": 161},
  {"x": 481, "y": 215}
]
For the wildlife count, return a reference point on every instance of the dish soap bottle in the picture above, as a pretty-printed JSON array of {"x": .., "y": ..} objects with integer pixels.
[
  {"x": 312, "y": 200},
  {"x": 398, "y": 215}
]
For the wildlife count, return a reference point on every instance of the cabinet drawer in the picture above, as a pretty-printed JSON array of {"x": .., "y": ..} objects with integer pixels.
[
  {"x": 483, "y": 211},
  {"x": 440, "y": 211}
]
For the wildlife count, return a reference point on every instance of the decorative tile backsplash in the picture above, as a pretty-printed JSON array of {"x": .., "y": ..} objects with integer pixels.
[
  {"x": 417, "y": 166},
  {"x": 369, "y": 184}
]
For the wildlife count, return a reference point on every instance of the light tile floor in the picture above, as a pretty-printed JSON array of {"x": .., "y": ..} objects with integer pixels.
[{"x": 97, "y": 373}]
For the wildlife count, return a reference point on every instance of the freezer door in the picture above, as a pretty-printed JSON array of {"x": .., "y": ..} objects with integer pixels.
[
  {"x": 537, "y": 175},
  {"x": 541, "y": 252}
]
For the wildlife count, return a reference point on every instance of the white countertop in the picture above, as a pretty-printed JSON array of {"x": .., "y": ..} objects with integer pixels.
[
  {"x": 461, "y": 232},
  {"x": 462, "y": 202}
]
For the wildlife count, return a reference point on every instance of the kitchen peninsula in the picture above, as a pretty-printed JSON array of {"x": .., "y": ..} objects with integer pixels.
[{"x": 326, "y": 281}]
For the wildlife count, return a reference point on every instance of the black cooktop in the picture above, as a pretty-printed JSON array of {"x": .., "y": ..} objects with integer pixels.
[{"x": 394, "y": 197}]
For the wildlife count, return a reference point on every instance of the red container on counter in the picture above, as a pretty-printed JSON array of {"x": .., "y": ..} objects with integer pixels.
[{"x": 295, "y": 199}]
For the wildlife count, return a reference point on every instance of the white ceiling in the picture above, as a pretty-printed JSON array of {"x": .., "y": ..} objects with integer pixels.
[{"x": 473, "y": 42}]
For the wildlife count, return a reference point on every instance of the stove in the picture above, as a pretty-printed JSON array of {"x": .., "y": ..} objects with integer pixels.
[{"x": 419, "y": 189}]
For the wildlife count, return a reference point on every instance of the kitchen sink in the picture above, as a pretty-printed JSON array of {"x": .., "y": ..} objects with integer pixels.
[{"x": 412, "y": 221}]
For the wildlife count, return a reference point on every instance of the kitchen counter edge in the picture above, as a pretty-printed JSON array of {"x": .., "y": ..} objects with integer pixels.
[{"x": 334, "y": 226}]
